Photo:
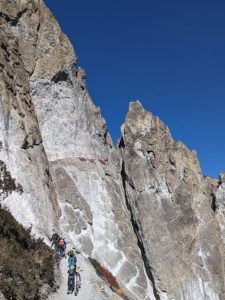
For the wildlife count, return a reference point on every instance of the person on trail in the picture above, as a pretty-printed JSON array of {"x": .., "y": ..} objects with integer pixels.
[
  {"x": 55, "y": 240},
  {"x": 72, "y": 260},
  {"x": 74, "y": 280},
  {"x": 62, "y": 247}
]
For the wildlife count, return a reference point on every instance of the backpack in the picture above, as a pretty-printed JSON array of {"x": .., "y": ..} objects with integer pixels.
[
  {"x": 72, "y": 261},
  {"x": 61, "y": 242},
  {"x": 55, "y": 237},
  {"x": 71, "y": 271}
]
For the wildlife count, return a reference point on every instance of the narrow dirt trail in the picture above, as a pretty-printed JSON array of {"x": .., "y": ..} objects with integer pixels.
[{"x": 89, "y": 283}]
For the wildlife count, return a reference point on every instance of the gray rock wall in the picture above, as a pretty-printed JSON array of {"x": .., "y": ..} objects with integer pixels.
[
  {"x": 171, "y": 205},
  {"x": 144, "y": 211},
  {"x": 83, "y": 163},
  {"x": 26, "y": 185},
  {"x": 38, "y": 65}
]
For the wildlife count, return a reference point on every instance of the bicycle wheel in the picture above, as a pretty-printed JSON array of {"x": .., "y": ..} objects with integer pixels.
[
  {"x": 77, "y": 283},
  {"x": 79, "y": 280}
]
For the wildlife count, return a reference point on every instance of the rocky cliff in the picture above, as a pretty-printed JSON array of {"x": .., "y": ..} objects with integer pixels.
[
  {"x": 144, "y": 211},
  {"x": 177, "y": 212},
  {"x": 26, "y": 185},
  {"x": 83, "y": 163}
]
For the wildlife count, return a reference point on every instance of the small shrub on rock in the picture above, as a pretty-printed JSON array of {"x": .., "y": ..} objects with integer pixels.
[{"x": 26, "y": 264}]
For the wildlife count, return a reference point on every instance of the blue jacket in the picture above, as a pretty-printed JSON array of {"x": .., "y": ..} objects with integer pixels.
[{"x": 72, "y": 261}]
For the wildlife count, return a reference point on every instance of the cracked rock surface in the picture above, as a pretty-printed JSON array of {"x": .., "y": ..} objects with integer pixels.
[
  {"x": 84, "y": 165},
  {"x": 171, "y": 206},
  {"x": 25, "y": 183},
  {"x": 143, "y": 211}
]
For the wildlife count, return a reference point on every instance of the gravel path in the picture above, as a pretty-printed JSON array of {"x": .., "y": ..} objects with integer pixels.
[{"x": 92, "y": 288}]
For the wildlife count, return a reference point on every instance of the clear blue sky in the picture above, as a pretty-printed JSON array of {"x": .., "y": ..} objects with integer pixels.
[{"x": 168, "y": 54}]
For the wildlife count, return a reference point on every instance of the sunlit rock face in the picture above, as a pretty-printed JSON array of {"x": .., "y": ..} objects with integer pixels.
[
  {"x": 83, "y": 162},
  {"x": 25, "y": 182},
  {"x": 172, "y": 206},
  {"x": 143, "y": 211}
]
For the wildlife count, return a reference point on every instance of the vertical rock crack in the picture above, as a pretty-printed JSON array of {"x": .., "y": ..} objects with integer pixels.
[{"x": 148, "y": 268}]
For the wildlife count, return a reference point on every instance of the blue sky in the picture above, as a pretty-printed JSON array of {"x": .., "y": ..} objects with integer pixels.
[{"x": 168, "y": 54}]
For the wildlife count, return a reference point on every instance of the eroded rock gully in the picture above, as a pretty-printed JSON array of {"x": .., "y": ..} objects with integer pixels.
[{"x": 137, "y": 231}]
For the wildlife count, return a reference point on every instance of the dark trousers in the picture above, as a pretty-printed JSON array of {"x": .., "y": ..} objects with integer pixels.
[
  {"x": 61, "y": 251},
  {"x": 71, "y": 282}
]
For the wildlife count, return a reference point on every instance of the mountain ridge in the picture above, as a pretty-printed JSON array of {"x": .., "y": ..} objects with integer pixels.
[{"x": 137, "y": 209}]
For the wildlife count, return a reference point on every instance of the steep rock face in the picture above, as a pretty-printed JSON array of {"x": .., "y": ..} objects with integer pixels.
[
  {"x": 171, "y": 206},
  {"x": 25, "y": 182},
  {"x": 83, "y": 162},
  {"x": 38, "y": 65},
  {"x": 147, "y": 201}
]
